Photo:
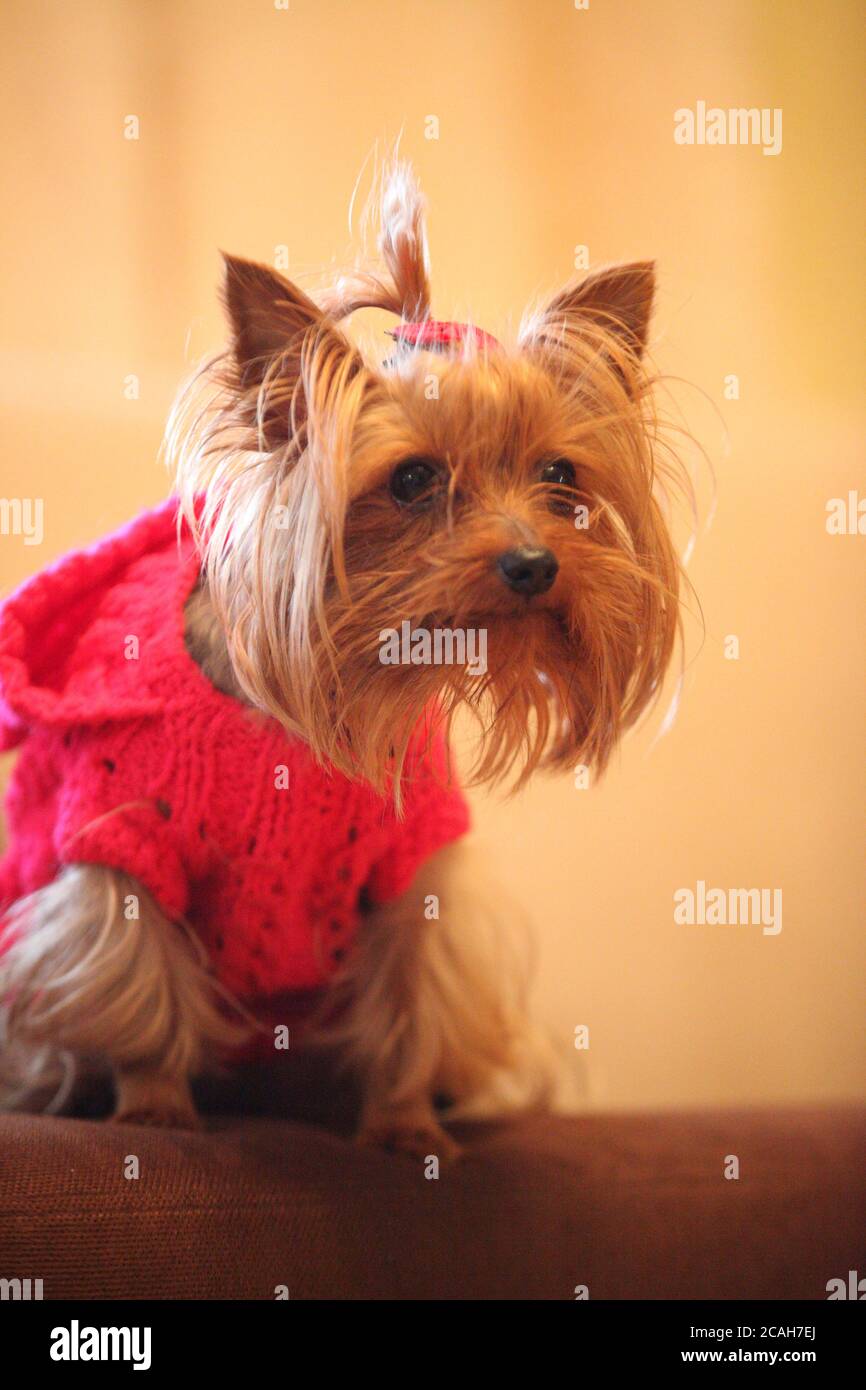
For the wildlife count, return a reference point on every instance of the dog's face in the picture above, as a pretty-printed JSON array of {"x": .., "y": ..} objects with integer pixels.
[{"x": 502, "y": 497}]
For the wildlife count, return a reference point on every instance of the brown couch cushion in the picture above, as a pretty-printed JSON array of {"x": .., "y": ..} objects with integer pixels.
[{"x": 634, "y": 1206}]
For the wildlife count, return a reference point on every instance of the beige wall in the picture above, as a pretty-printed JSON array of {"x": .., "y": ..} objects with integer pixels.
[{"x": 555, "y": 129}]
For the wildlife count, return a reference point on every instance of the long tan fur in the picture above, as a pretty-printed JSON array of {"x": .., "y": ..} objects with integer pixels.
[
  {"x": 432, "y": 1002},
  {"x": 97, "y": 972},
  {"x": 283, "y": 449},
  {"x": 283, "y": 475}
]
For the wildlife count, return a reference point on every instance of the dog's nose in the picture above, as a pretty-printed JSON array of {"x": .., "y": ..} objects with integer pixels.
[{"x": 528, "y": 569}]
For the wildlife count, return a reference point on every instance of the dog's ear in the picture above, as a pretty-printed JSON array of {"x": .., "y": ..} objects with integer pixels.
[
  {"x": 271, "y": 324},
  {"x": 268, "y": 316},
  {"x": 618, "y": 298}
]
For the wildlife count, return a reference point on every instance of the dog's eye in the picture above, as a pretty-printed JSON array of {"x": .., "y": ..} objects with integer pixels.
[
  {"x": 560, "y": 475},
  {"x": 414, "y": 481}
]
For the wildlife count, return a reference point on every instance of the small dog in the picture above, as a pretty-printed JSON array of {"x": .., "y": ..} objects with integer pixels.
[{"x": 226, "y": 794}]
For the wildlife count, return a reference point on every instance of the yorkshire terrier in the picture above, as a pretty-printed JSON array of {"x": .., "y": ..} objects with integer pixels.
[{"x": 234, "y": 784}]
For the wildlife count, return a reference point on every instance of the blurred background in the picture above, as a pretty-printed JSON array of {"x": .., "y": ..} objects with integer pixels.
[{"x": 536, "y": 129}]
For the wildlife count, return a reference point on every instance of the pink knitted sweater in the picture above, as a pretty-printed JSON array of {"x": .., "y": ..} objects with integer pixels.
[{"x": 130, "y": 758}]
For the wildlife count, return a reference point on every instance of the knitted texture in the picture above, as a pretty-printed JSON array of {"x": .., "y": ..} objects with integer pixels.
[{"x": 131, "y": 759}]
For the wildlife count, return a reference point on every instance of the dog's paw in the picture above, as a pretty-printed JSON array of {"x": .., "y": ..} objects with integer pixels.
[
  {"x": 158, "y": 1117},
  {"x": 419, "y": 1138},
  {"x": 156, "y": 1099}
]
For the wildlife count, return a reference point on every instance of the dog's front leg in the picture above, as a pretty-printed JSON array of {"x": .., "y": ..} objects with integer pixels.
[
  {"x": 409, "y": 1127},
  {"x": 424, "y": 1009},
  {"x": 397, "y": 1030},
  {"x": 150, "y": 1097}
]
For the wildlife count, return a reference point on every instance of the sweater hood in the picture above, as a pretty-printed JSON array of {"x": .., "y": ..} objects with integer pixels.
[{"x": 62, "y": 633}]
